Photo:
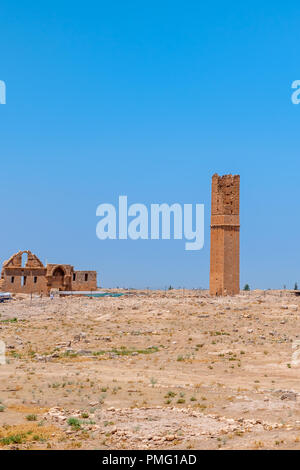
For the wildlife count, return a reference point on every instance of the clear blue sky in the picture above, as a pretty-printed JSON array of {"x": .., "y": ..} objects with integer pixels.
[{"x": 149, "y": 99}]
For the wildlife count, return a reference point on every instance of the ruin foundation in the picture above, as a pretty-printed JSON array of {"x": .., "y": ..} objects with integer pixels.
[{"x": 33, "y": 277}]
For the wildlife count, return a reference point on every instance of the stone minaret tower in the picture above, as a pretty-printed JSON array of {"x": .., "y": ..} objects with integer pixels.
[{"x": 225, "y": 235}]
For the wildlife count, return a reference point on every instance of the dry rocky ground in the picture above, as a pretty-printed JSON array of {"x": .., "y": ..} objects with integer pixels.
[{"x": 151, "y": 370}]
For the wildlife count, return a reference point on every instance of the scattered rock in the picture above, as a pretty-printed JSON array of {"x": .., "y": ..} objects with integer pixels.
[{"x": 289, "y": 396}]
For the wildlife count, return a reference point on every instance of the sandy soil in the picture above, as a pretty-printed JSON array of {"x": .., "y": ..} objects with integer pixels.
[{"x": 151, "y": 370}]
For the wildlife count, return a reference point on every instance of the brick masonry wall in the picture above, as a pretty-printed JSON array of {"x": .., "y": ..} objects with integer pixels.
[
  {"x": 26, "y": 281},
  {"x": 84, "y": 280}
]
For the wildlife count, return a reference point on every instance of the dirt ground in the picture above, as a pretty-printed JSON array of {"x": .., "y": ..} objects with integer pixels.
[{"x": 151, "y": 370}]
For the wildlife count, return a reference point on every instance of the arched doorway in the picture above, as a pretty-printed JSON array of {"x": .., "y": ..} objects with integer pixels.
[{"x": 58, "y": 276}]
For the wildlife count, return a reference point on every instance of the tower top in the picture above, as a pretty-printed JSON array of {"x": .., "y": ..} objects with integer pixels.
[
  {"x": 229, "y": 177},
  {"x": 225, "y": 194}
]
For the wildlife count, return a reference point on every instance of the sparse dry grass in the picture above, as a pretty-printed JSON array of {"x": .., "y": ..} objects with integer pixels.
[{"x": 170, "y": 352}]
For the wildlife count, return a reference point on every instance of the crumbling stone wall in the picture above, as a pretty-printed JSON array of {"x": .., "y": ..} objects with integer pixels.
[
  {"x": 84, "y": 280},
  {"x": 34, "y": 277},
  {"x": 28, "y": 278},
  {"x": 225, "y": 232}
]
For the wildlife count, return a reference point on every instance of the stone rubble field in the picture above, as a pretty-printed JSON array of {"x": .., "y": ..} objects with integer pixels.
[{"x": 151, "y": 370}]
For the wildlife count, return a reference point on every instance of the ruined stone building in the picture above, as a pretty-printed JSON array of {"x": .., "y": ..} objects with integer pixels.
[
  {"x": 20, "y": 275},
  {"x": 225, "y": 235}
]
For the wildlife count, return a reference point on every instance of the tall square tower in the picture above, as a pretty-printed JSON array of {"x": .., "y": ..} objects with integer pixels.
[{"x": 225, "y": 235}]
